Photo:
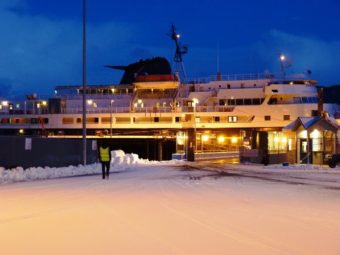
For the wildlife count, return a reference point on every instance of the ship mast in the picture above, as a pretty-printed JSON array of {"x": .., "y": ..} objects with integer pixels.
[{"x": 180, "y": 51}]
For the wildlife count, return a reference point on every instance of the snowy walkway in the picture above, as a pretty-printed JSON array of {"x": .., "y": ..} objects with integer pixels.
[{"x": 170, "y": 210}]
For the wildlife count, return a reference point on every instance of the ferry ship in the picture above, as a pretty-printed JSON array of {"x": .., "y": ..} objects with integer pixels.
[{"x": 218, "y": 114}]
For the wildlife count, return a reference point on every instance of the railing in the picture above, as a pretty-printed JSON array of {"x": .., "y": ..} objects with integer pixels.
[
  {"x": 95, "y": 96},
  {"x": 126, "y": 109},
  {"x": 231, "y": 77}
]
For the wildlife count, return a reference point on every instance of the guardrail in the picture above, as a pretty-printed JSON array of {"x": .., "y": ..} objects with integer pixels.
[{"x": 126, "y": 109}]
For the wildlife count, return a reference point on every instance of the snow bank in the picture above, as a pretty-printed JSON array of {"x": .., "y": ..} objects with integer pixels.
[{"x": 119, "y": 162}]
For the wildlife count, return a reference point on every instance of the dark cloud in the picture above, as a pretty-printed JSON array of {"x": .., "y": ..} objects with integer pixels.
[
  {"x": 39, "y": 51},
  {"x": 305, "y": 53}
]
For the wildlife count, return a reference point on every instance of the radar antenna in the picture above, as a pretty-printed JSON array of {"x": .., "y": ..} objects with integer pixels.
[{"x": 180, "y": 50}]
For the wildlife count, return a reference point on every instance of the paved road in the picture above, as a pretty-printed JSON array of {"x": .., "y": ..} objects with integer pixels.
[
  {"x": 325, "y": 177},
  {"x": 169, "y": 210}
]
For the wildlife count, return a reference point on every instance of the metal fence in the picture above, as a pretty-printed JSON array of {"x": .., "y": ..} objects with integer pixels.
[{"x": 36, "y": 151}]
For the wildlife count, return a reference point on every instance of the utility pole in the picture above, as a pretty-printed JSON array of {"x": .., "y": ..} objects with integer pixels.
[{"x": 84, "y": 82}]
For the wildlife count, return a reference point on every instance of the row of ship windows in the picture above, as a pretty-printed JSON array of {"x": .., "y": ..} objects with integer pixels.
[
  {"x": 192, "y": 88},
  {"x": 242, "y": 101},
  {"x": 24, "y": 120},
  {"x": 294, "y": 100},
  {"x": 273, "y": 100},
  {"x": 107, "y": 120}
]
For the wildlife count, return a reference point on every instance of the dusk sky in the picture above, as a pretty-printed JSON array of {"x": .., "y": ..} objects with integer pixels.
[{"x": 41, "y": 40}]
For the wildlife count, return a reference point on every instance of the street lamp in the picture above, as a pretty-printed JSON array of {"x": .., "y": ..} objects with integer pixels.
[
  {"x": 84, "y": 82},
  {"x": 111, "y": 103},
  {"x": 282, "y": 65}
]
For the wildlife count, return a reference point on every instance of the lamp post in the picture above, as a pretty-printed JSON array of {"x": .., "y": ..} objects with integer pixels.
[
  {"x": 195, "y": 101},
  {"x": 282, "y": 65},
  {"x": 111, "y": 103},
  {"x": 84, "y": 82}
]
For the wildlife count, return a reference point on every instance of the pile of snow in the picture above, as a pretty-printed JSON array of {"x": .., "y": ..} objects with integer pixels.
[
  {"x": 119, "y": 162},
  {"x": 118, "y": 157}
]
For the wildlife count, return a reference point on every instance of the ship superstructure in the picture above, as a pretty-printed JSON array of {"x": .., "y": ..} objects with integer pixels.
[{"x": 223, "y": 112}]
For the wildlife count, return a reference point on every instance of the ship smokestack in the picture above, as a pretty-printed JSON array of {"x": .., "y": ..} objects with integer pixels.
[{"x": 320, "y": 102}]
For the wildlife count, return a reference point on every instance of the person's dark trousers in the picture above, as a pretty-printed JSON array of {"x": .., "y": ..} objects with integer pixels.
[{"x": 105, "y": 165}]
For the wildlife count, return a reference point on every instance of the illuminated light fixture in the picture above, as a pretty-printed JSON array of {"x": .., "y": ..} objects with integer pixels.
[
  {"x": 303, "y": 134},
  {"x": 56, "y": 92},
  {"x": 113, "y": 90},
  {"x": 282, "y": 57},
  {"x": 220, "y": 139},
  {"x": 0, "y": 106},
  {"x": 276, "y": 139},
  {"x": 290, "y": 146},
  {"x": 44, "y": 103},
  {"x": 205, "y": 138},
  {"x": 315, "y": 134},
  {"x": 180, "y": 138},
  {"x": 178, "y": 36},
  {"x": 139, "y": 101},
  {"x": 21, "y": 131},
  {"x": 291, "y": 83},
  {"x": 17, "y": 106},
  {"x": 195, "y": 101},
  {"x": 284, "y": 140},
  {"x": 38, "y": 105},
  {"x": 234, "y": 139},
  {"x": 89, "y": 101},
  {"x": 4, "y": 103}
]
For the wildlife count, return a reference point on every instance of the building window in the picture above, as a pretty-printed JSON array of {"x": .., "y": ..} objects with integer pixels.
[
  {"x": 267, "y": 117},
  {"x": 232, "y": 119},
  {"x": 272, "y": 100},
  {"x": 290, "y": 144},
  {"x": 222, "y": 102},
  {"x": 106, "y": 120},
  {"x": 247, "y": 101},
  {"x": 177, "y": 119},
  {"x": 217, "y": 119},
  {"x": 286, "y": 117},
  {"x": 67, "y": 120},
  {"x": 231, "y": 101},
  {"x": 239, "y": 101},
  {"x": 92, "y": 120},
  {"x": 256, "y": 101}
]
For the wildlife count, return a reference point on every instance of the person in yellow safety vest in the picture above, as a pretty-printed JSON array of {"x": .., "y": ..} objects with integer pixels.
[{"x": 104, "y": 156}]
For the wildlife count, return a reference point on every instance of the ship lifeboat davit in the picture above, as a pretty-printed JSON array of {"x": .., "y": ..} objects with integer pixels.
[{"x": 156, "y": 81}]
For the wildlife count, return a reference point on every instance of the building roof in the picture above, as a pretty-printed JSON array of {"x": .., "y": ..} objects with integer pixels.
[{"x": 308, "y": 122}]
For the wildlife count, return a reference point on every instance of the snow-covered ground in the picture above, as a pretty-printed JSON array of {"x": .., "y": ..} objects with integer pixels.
[{"x": 171, "y": 208}]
